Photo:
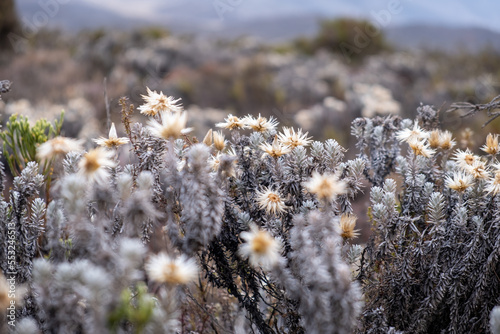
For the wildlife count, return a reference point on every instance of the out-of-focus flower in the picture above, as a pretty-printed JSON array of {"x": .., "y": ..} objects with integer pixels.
[
  {"x": 347, "y": 225},
  {"x": 162, "y": 268},
  {"x": 95, "y": 163},
  {"x": 260, "y": 248},
  {"x": 260, "y": 124},
  {"x": 7, "y": 296},
  {"x": 208, "y": 138},
  {"x": 293, "y": 139},
  {"x": 276, "y": 149},
  {"x": 434, "y": 140},
  {"x": 491, "y": 146},
  {"x": 158, "y": 103},
  {"x": 459, "y": 182},
  {"x": 270, "y": 201},
  {"x": 467, "y": 139},
  {"x": 57, "y": 146},
  {"x": 231, "y": 123},
  {"x": 113, "y": 140},
  {"x": 172, "y": 126},
  {"x": 326, "y": 186},
  {"x": 4, "y": 293},
  {"x": 216, "y": 138},
  {"x": 214, "y": 161},
  {"x": 420, "y": 147},
  {"x": 408, "y": 135}
]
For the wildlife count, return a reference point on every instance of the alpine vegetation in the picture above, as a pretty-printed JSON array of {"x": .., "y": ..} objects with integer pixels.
[
  {"x": 431, "y": 263},
  {"x": 242, "y": 232},
  {"x": 248, "y": 230}
]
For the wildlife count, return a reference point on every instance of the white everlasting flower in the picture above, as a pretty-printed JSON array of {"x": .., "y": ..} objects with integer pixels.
[
  {"x": 260, "y": 248},
  {"x": 57, "y": 146},
  {"x": 420, "y": 147},
  {"x": 276, "y": 149},
  {"x": 219, "y": 141},
  {"x": 459, "y": 182},
  {"x": 162, "y": 268},
  {"x": 270, "y": 201},
  {"x": 465, "y": 158},
  {"x": 260, "y": 124},
  {"x": 347, "y": 225},
  {"x": 94, "y": 164},
  {"x": 326, "y": 186},
  {"x": 491, "y": 146},
  {"x": 158, "y": 103},
  {"x": 231, "y": 123},
  {"x": 416, "y": 133},
  {"x": 493, "y": 184},
  {"x": 113, "y": 140},
  {"x": 446, "y": 141},
  {"x": 478, "y": 170},
  {"x": 293, "y": 139},
  {"x": 172, "y": 126}
]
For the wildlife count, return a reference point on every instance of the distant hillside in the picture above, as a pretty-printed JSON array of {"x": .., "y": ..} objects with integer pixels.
[
  {"x": 75, "y": 16},
  {"x": 443, "y": 38}
]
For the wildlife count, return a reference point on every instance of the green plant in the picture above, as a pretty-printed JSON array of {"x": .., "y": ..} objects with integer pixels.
[{"x": 20, "y": 141}]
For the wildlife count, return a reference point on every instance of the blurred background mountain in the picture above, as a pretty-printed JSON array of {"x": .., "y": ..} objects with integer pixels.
[{"x": 315, "y": 64}]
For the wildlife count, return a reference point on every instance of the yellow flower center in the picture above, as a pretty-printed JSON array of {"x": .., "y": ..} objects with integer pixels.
[
  {"x": 91, "y": 163},
  {"x": 469, "y": 159},
  {"x": 261, "y": 242},
  {"x": 273, "y": 198}
]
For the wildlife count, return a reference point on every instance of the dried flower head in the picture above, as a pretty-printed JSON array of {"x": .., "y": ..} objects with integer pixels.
[
  {"x": 465, "y": 158},
  {"x": 57, "y": 146},
  {"x": 326, "y": 186},
  {"x": 260, "y": 124},
  {"x": 208, "y": 138},
  {"x": 172, "y": 126},
  {"x": 232, "y": 122},
  {"x": 293, "y": 139},
  {"x": 493, "y": 184},
  {"x": 434, "y": 139},
  {"x": 219, "y": 141},
  {"x": 459, "y": 182},
  {"x": 347, "y": 225},
  {"x": 446, "y": 141},
  {"x": 491, "y": 146},
  {"x": 478, "y": 170},
  {"x": 270, "y": 201},
  {"x": 158, "y": 103},
  {"x": 260, "y": 248},
  {"x": 95, "y": 163},
  {"x": 420, "y": 147},
  {"x": 162, "y": 268},
  {"x": 113, "y": 140},
  {"x": 276, "y": 149},
  {"x": 408, "y": 135}
]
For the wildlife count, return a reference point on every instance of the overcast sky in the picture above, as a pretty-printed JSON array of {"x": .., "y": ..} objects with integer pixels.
[{"x": 480, "y": 13}]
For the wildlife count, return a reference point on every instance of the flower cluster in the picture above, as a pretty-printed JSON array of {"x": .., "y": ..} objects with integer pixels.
[
  {"x": 114, "y": 247},
  {"x": 429, "y": 266},
  {"x": 250, "y": 229}
]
